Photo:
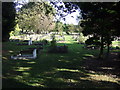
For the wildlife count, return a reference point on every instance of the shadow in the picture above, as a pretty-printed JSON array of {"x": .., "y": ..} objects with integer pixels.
[
  {"x": 11, "y": 83},
  {"x": 75, "y": 69},
  {"x": 106, "y": 66}
]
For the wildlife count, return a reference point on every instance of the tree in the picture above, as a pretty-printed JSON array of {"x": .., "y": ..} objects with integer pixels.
[
  {"x": 66, "y": 28},
  {"x": 37, "y": 16},
  {"x": 59, "y": 27},
  {"x": 99, "y": 21},
  {"x": 8, "y": 19},
  {"x": 63, "y": 9},
  {"x": 16, "y": 31}
]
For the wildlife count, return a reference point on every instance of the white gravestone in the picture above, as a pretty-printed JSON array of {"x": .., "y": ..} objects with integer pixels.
[
  {"x": 30, "y": 41},
  {"x": 34, "y": 53}
]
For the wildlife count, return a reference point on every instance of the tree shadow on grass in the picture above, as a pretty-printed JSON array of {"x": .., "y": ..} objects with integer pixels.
[
  {"x": 106, "y": 66},
  {"x": 66, "y": 70},
  {"x": 12, "y": 83},
  {"x": 62, "y": 69}
]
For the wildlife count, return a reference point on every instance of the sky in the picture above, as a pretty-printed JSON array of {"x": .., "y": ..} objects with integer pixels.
[
  {"x": 69, "y": 19},
  {"x": 72, "y": 18}
]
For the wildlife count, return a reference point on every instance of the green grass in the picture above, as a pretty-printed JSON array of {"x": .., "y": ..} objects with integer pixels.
[
  {"x": 49, "y": 69},
  {"x": 115, "y": 43}
]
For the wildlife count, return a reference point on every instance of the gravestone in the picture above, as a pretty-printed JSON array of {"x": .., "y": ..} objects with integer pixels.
[
  {"x": 30, "y": 41},
  {"x": 34, "y": 53},
  {"x": 26, "y": 56}
]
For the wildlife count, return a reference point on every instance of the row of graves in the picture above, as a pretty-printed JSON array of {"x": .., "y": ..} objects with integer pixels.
[
  {"x": 30, "y": 52},
  {"x": 98, "y": 47},
  {"x": 91, "y": 47},
  {"x": 35, "y": 37}
]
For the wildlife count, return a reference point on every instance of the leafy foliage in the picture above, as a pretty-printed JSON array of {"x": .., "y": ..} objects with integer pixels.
[
  {"x": 37, "y": 16},
  {"x": 64, "y": 9},
  {"x": 16, "y": 31},
  {"x": 99, "y": 21}
]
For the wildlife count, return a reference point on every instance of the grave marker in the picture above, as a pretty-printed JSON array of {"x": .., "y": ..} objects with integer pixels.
[
  {"x": 34, "y": 53},
  {"x": 30, "y": 41},
  {"x": 26, "y": 56}
]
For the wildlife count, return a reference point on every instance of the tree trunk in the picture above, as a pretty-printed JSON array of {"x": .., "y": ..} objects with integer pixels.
[
  {"x": 101, "y": 48},
  {"x": 5, "y": 37},
  {"x": 108, "y": 48},
  {"x": 108, "y": 45}
]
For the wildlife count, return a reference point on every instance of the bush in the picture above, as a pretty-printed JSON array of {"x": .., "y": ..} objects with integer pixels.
[
  {"x": 58, "y": 49},
  {"x": 45, "y": 42}
]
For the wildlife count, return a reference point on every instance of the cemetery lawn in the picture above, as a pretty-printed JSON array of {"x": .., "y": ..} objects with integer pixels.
[{"x": 79, "y": 68}]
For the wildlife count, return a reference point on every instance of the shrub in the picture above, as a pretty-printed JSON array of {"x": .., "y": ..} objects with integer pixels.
[{"x": 44, "y": 41}]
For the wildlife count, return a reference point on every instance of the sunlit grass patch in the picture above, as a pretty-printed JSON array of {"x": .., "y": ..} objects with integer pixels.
[
  {"x": 22, "y": 68},
  {"x": 5, "y": 58},
  {"x": 31, "y": 62},
  {"x": 18, "y": 77},
  {"x": 66, "y": 80},
  {"x": 25, "y": 78},
  {"x": 107, "y": 68},
  {"x": 97, "y": 77},
  {"x": 66, "y": 61},
  {"x": 116, "y": 50},
  {"x": 64, "y": 69},
  {"x": 89, "y": 55},
  {"x": 26, "y": 74},
  {"x": 37, "y": 85},
  {"x": 11, "y": 51},
  {"x": 25, "y": 59},
  {"x": 115, "y": 43}
]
